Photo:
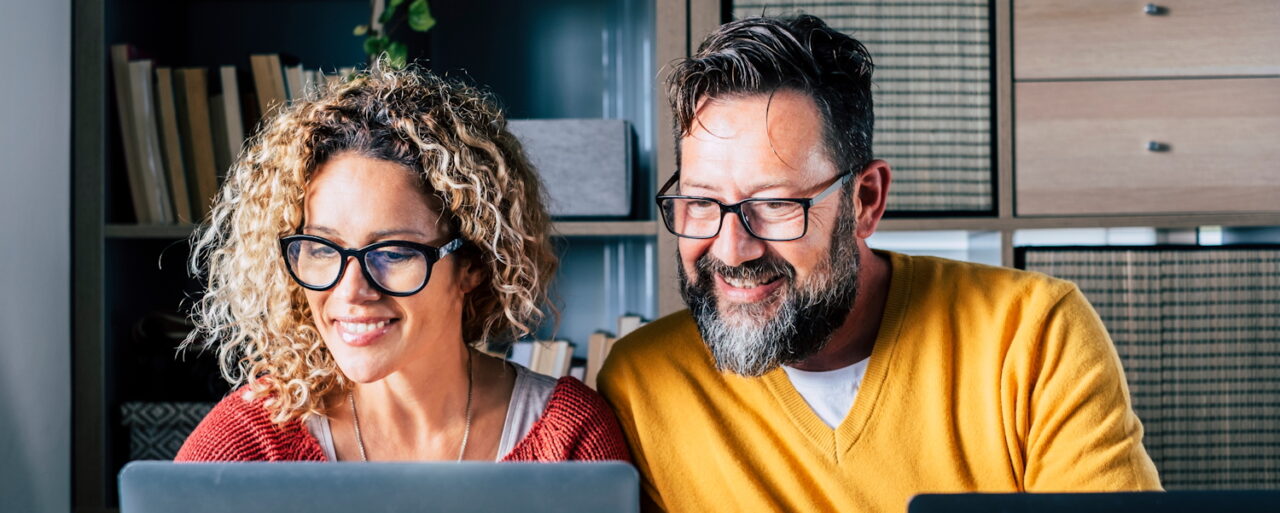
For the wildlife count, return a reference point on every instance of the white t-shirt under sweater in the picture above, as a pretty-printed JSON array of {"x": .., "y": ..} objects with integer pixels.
[
  {"x": 528, "y": 400},
  {"x": 829, "y": 393}
]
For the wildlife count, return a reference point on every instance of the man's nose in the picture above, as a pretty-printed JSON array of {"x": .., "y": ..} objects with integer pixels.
[{"x": 735, "y": 245}]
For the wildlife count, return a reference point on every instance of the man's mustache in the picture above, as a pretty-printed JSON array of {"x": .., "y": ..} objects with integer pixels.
[{"x": 760, "y": 269}]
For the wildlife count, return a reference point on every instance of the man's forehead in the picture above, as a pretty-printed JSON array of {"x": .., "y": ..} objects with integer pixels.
[{"x": 755, "y": 142}]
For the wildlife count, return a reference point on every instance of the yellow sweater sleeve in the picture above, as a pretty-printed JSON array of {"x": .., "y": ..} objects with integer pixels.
[{"x": 1081, "y": 433}]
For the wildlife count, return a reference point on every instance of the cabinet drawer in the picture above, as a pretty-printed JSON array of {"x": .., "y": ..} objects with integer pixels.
[
  {"x": 1082, "y": 147},
  {"x": 1110, "y": 38}
]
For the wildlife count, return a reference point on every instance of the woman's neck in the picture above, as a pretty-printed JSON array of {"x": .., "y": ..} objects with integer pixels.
[{"x": 420, "y": 412}]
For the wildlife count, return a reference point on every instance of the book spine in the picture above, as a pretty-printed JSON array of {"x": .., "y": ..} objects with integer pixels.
[
  {"x": 124, "y": 111},
  {"x": 148, "y": 137},
  {"x": 172, "y": 146}
]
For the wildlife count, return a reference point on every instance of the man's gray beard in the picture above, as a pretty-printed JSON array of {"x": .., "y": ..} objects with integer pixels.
[{"x": 745, "y": 340}]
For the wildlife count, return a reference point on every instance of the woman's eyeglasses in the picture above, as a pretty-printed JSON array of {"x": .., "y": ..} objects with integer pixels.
[{"x": 394, "y": 267}]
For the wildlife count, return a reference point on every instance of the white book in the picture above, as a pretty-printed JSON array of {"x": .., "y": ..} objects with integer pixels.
[
  {"x": 232, "y": 134},
  {"x": 559, "y": 357},
  {"x": 294, "y": 82},
  {"x": 522, "y": 353},
  {"x": 147, "y": 136},
  {"x": 124, "y": 111},
  {"x": 628, "y": 324}
]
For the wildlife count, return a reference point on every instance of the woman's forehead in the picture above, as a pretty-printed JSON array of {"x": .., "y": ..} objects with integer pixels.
[{"x": 361, "y": 197}]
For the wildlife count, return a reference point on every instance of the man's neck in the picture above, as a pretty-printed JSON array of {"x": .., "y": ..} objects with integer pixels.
[{"x": 853, "y": 341}]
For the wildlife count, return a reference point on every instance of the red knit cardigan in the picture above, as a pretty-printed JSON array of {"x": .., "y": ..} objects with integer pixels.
[{"x": 576, "y": 425}]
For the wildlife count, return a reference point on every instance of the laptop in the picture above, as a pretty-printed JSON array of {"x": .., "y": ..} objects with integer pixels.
[
  {"x": 1126, "y": 502},
  {"x": 167, "y": 487}
]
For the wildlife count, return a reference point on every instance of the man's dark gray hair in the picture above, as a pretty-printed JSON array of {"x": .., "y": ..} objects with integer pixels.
[{"x": 763, "y": 55}]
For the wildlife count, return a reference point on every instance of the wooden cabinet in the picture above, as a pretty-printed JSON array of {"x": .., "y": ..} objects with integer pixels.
[
  {"x": 1152, "y": 146},
  {"x": 1114, "y": 39},
  {"x": 1124, "y": 108}
]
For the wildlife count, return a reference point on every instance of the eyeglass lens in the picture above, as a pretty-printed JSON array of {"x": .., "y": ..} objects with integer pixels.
[
  {"x": 395, "y": 268},
  {"x": 697, "y": 217}
]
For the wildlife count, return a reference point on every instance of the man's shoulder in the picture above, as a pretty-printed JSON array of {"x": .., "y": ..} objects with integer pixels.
[
  {"x": 658, "y": 347},
  {"x": 966, "y": 280},
  {"x": 673, "y": 332}
]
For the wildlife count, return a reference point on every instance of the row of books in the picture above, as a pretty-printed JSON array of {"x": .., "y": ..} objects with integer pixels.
[
  {"x": 555, "y": 358},
  {"x": 182, "y": 128}
]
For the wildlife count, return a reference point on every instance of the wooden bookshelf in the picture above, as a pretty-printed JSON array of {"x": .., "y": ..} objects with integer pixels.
[{"x": 123, "y": 268}]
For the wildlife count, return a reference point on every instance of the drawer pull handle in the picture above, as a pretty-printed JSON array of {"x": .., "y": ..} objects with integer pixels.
[
  {"x": 1157, "y": 146},
  {"x": 1154, "y": 10}
]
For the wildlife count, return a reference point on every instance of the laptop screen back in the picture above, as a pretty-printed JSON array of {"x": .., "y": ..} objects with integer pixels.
[{"x": 155, "y": 487}]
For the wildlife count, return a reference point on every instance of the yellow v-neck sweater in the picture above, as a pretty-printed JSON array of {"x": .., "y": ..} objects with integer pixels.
[{"x": 981, "y": 379}]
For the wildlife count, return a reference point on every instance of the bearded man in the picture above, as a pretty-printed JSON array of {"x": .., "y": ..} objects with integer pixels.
[{"x": 812, "y": 373}]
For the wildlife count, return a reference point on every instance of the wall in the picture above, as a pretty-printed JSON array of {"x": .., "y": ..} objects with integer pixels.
[{"x": 35, "y": 249}]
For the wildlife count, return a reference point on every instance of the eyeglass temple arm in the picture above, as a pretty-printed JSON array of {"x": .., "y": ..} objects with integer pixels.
[
  {"x": 831, "y": 188},
  {"x": 675, "y": 177},
  {"x": 452, "y": 246}
]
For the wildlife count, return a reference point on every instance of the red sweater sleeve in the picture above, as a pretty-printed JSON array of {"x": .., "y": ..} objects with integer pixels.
[
  {"x": 240, "y": 430},
  {"x": 576, "y": 425}
]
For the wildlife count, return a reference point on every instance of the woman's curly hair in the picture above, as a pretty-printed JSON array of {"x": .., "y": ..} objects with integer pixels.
[{"x": 453, "y": 137}]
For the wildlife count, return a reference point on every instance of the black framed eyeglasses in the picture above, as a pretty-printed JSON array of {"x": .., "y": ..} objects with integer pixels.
[
  {"x": 394, "y": 267},
  {"x": 771, "y": 219}
]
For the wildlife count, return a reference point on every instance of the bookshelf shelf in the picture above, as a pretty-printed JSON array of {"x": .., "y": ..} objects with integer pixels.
[{"x": 605, "y": 228}]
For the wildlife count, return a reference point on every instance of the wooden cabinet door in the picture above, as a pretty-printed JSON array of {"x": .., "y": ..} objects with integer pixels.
[
  {"x": 1116, "y": 38},
  {"x": 1086, "y": 148}
]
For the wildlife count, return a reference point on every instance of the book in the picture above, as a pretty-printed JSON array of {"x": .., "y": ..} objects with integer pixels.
[
  {"x": 560, "y": 358},
  {"x": 195, "y": 130},
  {"x": 172, "y": 145},
  {"x": 228, "y": 129},
  {"x": 124, "y": 112},
  {"x": 146, "y": 133},
  {"x": 522, "y": 353},
  {"x": 597, "y": 350},
  {"x": 268, "y": 82},
  {"x": 629, "y": 323},
  {"x": 313, "y": 82},
  {"x": 295, "y": 82},
  {"x": 551, "y": 358}
]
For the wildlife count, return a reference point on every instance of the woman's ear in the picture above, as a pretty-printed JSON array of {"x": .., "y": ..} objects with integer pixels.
[{"x": 470, "y": 275}]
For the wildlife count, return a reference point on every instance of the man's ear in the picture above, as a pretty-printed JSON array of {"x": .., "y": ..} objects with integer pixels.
[{"x": 871, "y": 193}]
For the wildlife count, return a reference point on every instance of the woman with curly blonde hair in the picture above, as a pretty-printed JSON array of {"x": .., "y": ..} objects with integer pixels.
[{"x": 363, "y": 246}]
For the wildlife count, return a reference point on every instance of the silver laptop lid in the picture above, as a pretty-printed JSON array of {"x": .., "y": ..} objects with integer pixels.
[{"x": 167, "y": 487}]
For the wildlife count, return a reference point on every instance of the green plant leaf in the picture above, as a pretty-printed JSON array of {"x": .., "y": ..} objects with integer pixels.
[
  {"x": 387, "y": 13},
  {"x": 397, "y": 54},
  {"x": 373, "y": 45},
  {"x": 392, "y": 4},
  {"x": 420, "y": 16},
  {"x": 361, "y": 30}
]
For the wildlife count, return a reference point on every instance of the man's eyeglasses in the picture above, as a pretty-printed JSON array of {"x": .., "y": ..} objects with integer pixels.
[
  {"x": 394, "y": 267},
  {"x": 771, "y": 219}
]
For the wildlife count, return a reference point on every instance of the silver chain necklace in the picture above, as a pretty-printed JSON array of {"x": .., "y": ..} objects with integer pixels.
[{"x": 466, "y": 431}]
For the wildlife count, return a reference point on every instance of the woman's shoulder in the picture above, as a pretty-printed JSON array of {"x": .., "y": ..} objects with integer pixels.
[
  {"x": 239, "y": 428},
  {"x": 577, "y": 424}
]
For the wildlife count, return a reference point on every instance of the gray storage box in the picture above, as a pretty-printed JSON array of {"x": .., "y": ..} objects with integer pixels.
[{"x": 585, "y": 164}]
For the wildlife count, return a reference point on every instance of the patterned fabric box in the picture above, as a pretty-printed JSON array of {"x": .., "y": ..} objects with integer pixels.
[
  {"x": 157, "y": 430},
  {"x": 1198, "y": 331},
  {"x": 932, "y": 90}
]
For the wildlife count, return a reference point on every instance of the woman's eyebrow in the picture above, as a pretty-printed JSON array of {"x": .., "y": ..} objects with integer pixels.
[
  {"x": 399, "y": 231},
  {"x": 380, "y": 234}
]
